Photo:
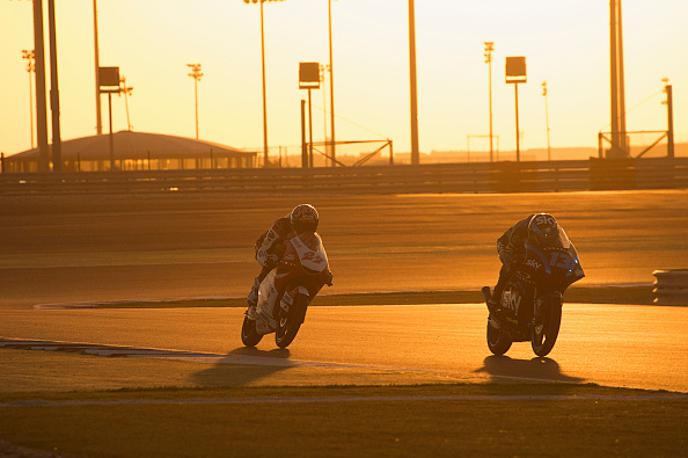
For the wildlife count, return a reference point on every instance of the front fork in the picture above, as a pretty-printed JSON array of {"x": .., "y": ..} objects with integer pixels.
[
  {"x": 543, "y": 303},
  {"x": 294, "y": 304}
]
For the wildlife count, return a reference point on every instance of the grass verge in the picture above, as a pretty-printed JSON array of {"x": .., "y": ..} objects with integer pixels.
[{"x": 622, "y": 425}]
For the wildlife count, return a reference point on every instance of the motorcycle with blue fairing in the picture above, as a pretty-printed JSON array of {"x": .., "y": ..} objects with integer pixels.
[{"x": 530, "y": 306}]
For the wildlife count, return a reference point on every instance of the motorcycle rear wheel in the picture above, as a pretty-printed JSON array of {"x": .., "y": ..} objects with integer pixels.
[
  {"x": 249, "y": 335},
  {"x": 497, "y": 341},
  {"x": 543, "y": 342}
]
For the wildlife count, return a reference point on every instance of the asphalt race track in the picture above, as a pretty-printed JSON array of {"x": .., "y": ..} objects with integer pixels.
[
  {"x": 613, "y": 345},
  {"x": 129, "y": 247}
]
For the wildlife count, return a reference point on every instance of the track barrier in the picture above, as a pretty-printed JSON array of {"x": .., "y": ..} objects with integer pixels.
[
  {"x": 543, "y": 176},
  {"x": 671, "y": 287}
]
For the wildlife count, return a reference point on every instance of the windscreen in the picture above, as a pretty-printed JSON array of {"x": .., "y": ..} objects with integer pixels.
[{"x": 561, "y": 239}]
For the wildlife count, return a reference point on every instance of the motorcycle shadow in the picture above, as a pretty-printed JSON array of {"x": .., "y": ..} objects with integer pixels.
[
  {"x": 536, "y": 370},
  {"x": 243, "y": 366}
]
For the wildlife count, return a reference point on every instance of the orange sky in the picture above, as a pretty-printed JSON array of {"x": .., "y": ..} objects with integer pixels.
[{"x": 566, "y": 43}]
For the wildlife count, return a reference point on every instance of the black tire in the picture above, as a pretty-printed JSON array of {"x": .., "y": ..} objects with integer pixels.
[
  {"x": 287, "y": 329},
  {"x": 249, "y": 335},
  {"x": 288, "y": 325},
  {"x": 497, "y": 341},
  {"x": 543, "y": 342}
]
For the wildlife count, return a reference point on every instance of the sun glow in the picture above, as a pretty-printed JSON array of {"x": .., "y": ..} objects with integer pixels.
[{"x": 565, "y": 43}]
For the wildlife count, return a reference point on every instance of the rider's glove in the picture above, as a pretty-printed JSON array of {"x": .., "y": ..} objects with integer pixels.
[
  {"x": 266, "y": 259},
  {"x": 329, "y": 278}
]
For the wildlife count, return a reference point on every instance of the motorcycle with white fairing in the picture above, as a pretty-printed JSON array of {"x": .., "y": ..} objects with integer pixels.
[{"x": 286, "y": 292}]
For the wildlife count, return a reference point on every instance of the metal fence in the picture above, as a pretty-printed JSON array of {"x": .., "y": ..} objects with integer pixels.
[{"x": 593, "y": 174}]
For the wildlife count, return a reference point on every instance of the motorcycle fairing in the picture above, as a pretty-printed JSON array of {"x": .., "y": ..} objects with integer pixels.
[
  {"x": 314, "y": 259},
  {"x": 267, "y": 300},
  {"x": 560, "y": 261},
  {"x": 517, "y": 299}
]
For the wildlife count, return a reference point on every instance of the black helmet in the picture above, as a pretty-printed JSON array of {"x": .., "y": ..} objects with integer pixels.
[
  {"x": 304, "y": 218},
  {"x": 543, "y": 229}
]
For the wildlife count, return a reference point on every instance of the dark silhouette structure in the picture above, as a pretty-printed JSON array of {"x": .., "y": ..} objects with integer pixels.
[
  {"x": 619, "y": 143},
  {"x": 137, "y": 151},
  {"x": 415, "y": 153},
  {"x": 41, "y": 108},
  {"x": 196, "y": 74}
]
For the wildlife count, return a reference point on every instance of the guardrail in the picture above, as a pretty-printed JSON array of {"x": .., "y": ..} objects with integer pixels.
[
  {"x": 671, "y": 287},
  {"x": 594, "y": 174}
]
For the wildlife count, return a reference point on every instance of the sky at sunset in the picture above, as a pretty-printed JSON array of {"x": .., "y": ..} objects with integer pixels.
[{"x": 565, "y": 41}]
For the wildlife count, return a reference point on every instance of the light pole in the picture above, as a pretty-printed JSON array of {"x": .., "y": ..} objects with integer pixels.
[
  {"x": 545, "y": 94},
  {"x": 196, "y": 74},
  {"x": 41, "y": 106},
  {"x": 516, "y": 74},
  {"x": 489, "y": 49},
  {"x": 324, "y": 68},
  {"x": 262, "y": 57},
  {"x": 669, "y": 102},
  {"x": 618, "y": 91},
  {"x": 127, "y": 90},
  {"x": 333, "y": 149},
  {"x": 99, "y": 119},
  {"x": 54, "y": 89},
  {"x": 30, "y": 57},
  {"x": 415, "y": 155}
]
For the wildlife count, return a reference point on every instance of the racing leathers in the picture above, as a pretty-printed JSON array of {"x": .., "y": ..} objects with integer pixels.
[
  {"x": 269, "y": 248},
  {"x": 511, "y": 250}
]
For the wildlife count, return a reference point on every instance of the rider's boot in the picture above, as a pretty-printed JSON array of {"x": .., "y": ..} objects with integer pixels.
[
  {"x": 493, "y": 302},
  {"x": 252, "y": 300}
]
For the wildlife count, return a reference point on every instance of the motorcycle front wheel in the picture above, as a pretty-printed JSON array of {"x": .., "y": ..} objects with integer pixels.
[
  {"x": 286, "y": 331},
  {"x": 249, "y": 335},
  {"x": 544, "y": 336},
  {"x": 497, "y": 341},
  {"x": 289, "y": 323}
]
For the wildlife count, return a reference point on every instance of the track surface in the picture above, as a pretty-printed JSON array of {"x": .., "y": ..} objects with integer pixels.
[
  {"x": 104, "y": 248},
  {"x": 625, "y": 346}
]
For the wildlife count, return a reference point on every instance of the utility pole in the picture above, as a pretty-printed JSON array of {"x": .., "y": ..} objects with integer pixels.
[
  {"x": 333, "y": 148},
  {"x": 323, "y": 69},
  {"x": 112, "y": 135},
  {"x": 545, "y": 94},
  {"x": 110, "y": 84},
  {"x": 669, "y": 91},
  {"x": 30, "y": 57},
  {"x": 309, "y": 79},
  {"x": 196, "y": 74},
  {"x": 415, "y": 154},
  {"x": 262, "y": 59},
  {"x": 99, "y": 119},
  {"x": 304, "y": 151},
  {"x": 265, "y": 103},
  {"x": 518, "y": 128},
  {"x": 516, "y": 74},
  {"x": 618, "y": 95},
  {"x": 126, "y": 90},
  {"x": 54, "y": 90},
  {"x": 489, "y": 49},
  {"x": 41, "y": 108}
]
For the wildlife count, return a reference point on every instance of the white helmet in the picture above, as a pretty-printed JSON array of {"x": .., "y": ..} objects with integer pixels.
[{"x": 304, "y": 218}]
